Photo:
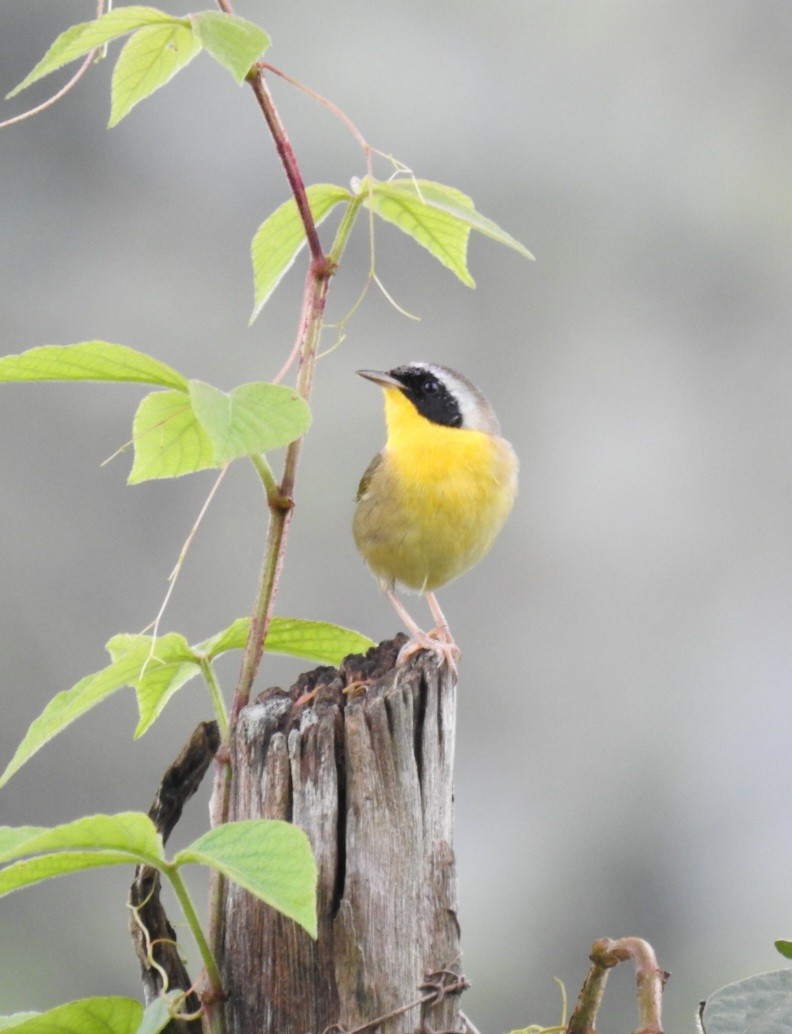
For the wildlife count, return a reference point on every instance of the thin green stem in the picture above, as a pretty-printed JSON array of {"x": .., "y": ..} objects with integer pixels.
[
  {"x": 221, "y": 714},
  {"x": 264, "y": 471},
  {"x": 344, "y": 230},
  {"x": 210, "y": 966}
]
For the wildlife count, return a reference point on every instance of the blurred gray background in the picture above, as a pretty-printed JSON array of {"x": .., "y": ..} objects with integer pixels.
[{"x": 624, "y": 726}]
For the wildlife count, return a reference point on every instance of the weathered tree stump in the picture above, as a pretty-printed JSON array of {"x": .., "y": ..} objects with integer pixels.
[{"x": 368, "y": 776}]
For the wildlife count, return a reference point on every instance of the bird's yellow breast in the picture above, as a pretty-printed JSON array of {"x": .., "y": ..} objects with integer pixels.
[{"x": 433, "y": 502}]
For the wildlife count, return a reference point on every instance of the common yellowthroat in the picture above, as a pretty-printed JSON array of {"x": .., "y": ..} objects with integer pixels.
[{"x": 431, "y": 504}]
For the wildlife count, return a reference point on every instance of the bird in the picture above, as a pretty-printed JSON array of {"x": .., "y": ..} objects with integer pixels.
[{"x": 433, "y": 501}]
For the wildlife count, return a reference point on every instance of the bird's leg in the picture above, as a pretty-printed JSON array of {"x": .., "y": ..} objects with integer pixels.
[
  {"x": 401, "y": 610},
  {"x": 441, "y": 630},
  {"x": 439, "y": 641}
]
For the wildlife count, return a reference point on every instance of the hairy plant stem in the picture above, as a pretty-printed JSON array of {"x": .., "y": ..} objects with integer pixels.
[
  {"x": 279, "y": 496},
  {"x": 281, "y": 506}
]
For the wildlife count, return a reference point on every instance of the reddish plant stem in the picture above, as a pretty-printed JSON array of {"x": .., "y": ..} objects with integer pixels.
[
  {"x": 289, "y": 163},
  {"x": 314, "y": 297},
  {"x": 285, "y": 152},
  {"x": 281, "y": 510},
  {"x": 281, "y": 504}
]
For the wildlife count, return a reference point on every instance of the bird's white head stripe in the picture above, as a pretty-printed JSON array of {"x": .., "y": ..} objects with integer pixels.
[{"x": 477, "y": 414}]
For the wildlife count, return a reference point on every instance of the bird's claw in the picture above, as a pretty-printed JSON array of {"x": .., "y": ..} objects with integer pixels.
[{"x": 441, "y": 645}]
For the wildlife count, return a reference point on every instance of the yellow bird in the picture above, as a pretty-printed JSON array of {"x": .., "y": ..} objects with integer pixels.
[{"x": 431, "y": 504}]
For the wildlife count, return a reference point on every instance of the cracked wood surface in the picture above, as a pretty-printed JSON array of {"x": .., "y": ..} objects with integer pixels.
[{"x": 369, "y": 779}]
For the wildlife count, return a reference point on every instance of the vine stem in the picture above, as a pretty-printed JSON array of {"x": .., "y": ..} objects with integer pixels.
[
  {"x": 279, "y": 497},
  {"x": 281, "y": 505},
  {"x": 213, "y": 1016},
  {"x": 281, "y": 501},
  {"x": 286, "y": 155}
]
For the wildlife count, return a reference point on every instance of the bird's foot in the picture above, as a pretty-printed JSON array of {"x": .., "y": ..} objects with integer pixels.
[{"x": 438, "y": 642}]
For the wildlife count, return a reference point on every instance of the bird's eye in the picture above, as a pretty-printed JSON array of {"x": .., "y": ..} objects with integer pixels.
[{"x": 430, "y": 387}]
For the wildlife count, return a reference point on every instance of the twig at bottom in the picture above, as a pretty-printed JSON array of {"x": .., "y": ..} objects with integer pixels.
[{"x": 605, "y": 954}]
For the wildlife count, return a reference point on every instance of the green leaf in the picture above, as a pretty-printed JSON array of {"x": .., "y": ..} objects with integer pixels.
[
  {"x": 171, "y": 665},
  {"x": 156, "y": 688},
  {"x": 156, "y": 674},
  {"x": 237, "y": 44},
  {"x": 86, "y": 1016},
  {"x": 131, "y": 832},
  {"x": 67, "y": 706},
  {"x": 9, "y": 1022},
  {"x": 87, "y": 843},
  {"x": 46, "y": 867},
  {"x": 310, "y": 640},
  {"x": 79, "y": 39},
  {"x": 438, "y": 217},
  {"x": 89, "y": 361},
  {"x": 60, "y": 712},
  {"x": 442, "y": 234},
  {"x": 315, "y": 640},
  {"x": 12, "y": 836},
  {"x": 232, "y": 638},
  {"x": 281, "y": 236},
  {"x": 758, "y": 1005},
  {"x": 175, "y": 433},
  {"x": 148, "y": 60},
  {"x": 168, "y": 439},
  {"x": 157, "y": 1016},
  {"x": 459, "y": 205},
  {"x": 250, "y": 419},
  {"x": 785, "y": 947},
  {"x": 271, "y": 859}
]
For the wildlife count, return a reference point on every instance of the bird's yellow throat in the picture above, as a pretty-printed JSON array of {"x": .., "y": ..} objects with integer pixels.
[{"x": 424, "y": 450}]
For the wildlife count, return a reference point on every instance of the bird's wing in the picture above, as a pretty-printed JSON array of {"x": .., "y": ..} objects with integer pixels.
[{"x": 365, "y": 481}]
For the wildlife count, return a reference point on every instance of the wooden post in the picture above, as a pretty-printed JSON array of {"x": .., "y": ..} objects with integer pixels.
[{"x": 368, "y": 775}]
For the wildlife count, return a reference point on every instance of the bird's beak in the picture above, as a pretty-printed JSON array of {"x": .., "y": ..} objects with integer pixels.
[{"x": 385, "y": 380}]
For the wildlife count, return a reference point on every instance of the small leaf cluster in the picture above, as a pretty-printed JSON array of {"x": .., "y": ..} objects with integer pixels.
[
  {"x": 244, "y": 851},
  {"x": 157, "y": 667},
  {"x": 159, "y": 47},
  {"x": 437, "y": 217},
  {"x": 270, "y": 859},
  {"x": 187, "y": 427}
]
